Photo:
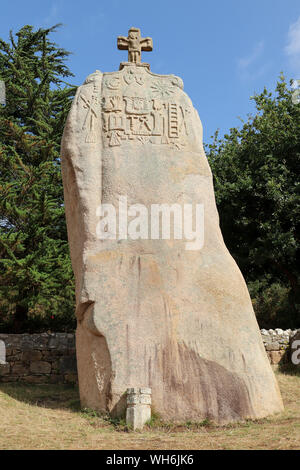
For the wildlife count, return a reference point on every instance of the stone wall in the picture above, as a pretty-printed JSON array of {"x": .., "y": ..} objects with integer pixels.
[
  {"x": 277, "y": 343},
  {"x": 51, "y": 357},
  {"x": 39, "y": 358}
]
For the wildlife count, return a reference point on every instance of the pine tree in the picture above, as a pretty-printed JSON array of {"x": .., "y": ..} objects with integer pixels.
[{"x": 36, "y": 279}]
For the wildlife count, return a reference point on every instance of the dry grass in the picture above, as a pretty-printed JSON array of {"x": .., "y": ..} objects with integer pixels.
[{"x": 49, "y": 417}]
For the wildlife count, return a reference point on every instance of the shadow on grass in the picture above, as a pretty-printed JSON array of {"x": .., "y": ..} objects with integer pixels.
[
  {"x": 59, "y": 396},
  {"x": 56, "y": 396},
  {"x": 289, "y": 369}
]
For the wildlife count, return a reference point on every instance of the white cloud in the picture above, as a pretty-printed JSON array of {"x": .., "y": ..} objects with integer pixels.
[
  {"x": 246, "y": 62},
  {"x": 248, "y": 67},
  {"x": 51, "y": 18},
  {"x": 293, "y": 46}
]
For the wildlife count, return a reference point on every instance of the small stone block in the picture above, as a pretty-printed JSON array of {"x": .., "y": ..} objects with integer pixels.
[
  {"x": 137, "y": 416},
  {"x": 133, "y": 399},
  {"x": 131, "y": 391},
  {"x": 138, "y": 407},
  {"x": 40, "y": 367},
  {"x": 31, "y": 355},
  {"x": 19, "y": 368},
  {"x": 145, "y": 400},
  {"x": 4, "y": 369}
]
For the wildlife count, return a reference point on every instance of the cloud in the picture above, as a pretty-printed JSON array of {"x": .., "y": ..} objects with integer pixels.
[
  {"x": 247, "y": 66},
  {"x": 52, "y": 15},
  {"x": 292, "y": 48},
  {"x": 246, "y": 62}
]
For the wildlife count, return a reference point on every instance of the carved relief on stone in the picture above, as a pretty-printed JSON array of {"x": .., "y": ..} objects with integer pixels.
[
  {"x": 162, "y": 89},
  {"x": 113, "y": 83},
  {"x": 90, "y": 102},
  {"x": 157, "y": 119},
  {"x": 135, "y": 44},
  {"x": 112, "y": 103},
  {"x": 136, "y": 105},
  {"x": 176, "y": 81},
  {"x": 92, "y": 114},
  {"x": 93, "y": 77},
  {"x": 132, "y": 76}
]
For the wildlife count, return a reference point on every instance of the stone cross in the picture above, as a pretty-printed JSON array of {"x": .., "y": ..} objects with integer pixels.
[
  {"x": 134, "y": 43},
  {"x": 147, "y": 146}
]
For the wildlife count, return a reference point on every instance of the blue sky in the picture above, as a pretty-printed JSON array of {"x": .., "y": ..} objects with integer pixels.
[{"x": 224, "y": 50}]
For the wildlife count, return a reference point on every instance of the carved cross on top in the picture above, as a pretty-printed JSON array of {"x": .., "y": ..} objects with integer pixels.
[{"x": 135, "y": 44}]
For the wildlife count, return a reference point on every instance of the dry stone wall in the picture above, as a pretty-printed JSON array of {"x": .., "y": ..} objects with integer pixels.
[
  {"x": 51, "y": 357},
  {"x": 39, "y": 358},
  {"x": 277, "y": 343}
]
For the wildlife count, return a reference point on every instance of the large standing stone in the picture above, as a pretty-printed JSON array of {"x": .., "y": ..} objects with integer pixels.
[{"x": 150, "y": 312}]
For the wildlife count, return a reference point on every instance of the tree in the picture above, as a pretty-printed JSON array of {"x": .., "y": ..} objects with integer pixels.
[
  {"x": 36, "y": 280},
  {"x": 256, "y": 170}
]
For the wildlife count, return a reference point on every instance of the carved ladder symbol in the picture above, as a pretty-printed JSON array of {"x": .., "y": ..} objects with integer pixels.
[{"x": 173, "y": 120}]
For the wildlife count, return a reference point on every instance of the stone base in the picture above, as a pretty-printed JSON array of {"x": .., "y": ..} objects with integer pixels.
[
  {"x": 133, "y": 64},
  {"x": 138, "y": 407}
]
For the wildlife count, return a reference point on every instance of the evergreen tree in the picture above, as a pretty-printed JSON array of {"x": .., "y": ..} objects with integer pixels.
[
  {"x": 256, "y": 178},
  {"x": 36, "y": 279}
]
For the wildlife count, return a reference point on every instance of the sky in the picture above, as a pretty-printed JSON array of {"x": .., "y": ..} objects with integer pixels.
[{"x": 224, "y": 50}]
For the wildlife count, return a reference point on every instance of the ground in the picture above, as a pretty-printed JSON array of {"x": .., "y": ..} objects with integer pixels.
[{"x": 49, "y": 417}]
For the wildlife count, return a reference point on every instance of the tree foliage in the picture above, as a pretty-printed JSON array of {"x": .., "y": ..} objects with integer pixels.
[
  {"x": 36, "y": 280},
  {"x": 256, "y": 178},
  {"x": 256, "y": 182}
]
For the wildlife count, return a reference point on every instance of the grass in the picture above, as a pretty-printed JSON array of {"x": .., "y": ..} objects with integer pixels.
[{"x": 50, "y": 417}]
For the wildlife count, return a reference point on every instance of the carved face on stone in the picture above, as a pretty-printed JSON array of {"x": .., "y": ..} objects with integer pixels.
[
  {"x": 133, "y": 35},
  {"x": 134, "y": 39}
]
